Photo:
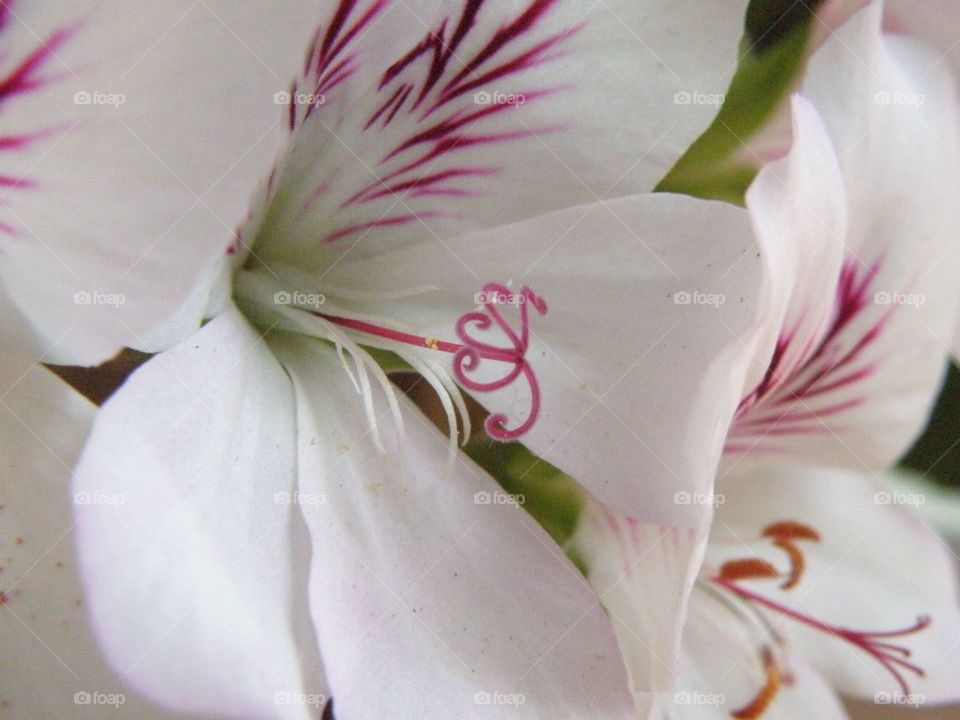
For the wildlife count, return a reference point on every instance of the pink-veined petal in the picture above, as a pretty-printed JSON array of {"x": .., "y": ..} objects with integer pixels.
[
  {"x": 643, "y": 575},
  {"x": 132, "y": 136},
  {"x": 196, "y": 581},
  {"x": 423, "y": 118},
  {"x": 867, "y": 383},
  {"x": 433, "y": 593}
]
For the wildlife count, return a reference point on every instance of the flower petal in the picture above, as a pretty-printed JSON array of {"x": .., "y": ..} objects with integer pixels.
[
  {"x": 868, "y": 383},
  {"x": 132, "y": 137},
  {"x": 643, "y": 575},
  {"x": 876, "y": 567},
  {"x": 425, "y": 570},
  {"x": 195, "y": 576},
  {"x": 651, "y": 301},
  {"x": 422, "y": 118}
]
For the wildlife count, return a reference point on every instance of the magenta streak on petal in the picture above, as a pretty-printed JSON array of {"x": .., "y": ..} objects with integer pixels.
[
  {"x": 423, "y": 181},
  {"x": 435, "y": 73},
  {"x": 381, "y": 222},
  {"x": 468, "y": 354},
  {"x": 834, "y": 363},
  {"x": 394, "y": 103},
  {"x": 23, "y": 78},
  {"x": 525, "y": 61}
]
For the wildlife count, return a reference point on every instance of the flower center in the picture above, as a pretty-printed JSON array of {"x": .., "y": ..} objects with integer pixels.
[
  {"x": 787, "y": 535},
  {"x": 470, "y": 352}
]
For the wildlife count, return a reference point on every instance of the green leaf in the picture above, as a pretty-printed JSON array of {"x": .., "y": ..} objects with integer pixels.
[{"x": 777, "y": 40}]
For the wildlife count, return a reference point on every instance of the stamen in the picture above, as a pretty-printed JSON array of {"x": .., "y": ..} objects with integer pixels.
[
  {"x": 784, "y": 535},
  {"x": 791, "y": 530},
  {"x": 469, "y": 353},
  {"x": 756, "y": 707},
  {"x": 890, "y": 656},
  {"x": 747, "y": 569}
]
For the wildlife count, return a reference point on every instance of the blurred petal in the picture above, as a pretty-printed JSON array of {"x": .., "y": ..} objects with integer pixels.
[
  {"x": 643, "y": 575},
  {"x": 865, "y": 386},
  {"x": 876, "y": 567},
  {"x": 195, "y": 581}
]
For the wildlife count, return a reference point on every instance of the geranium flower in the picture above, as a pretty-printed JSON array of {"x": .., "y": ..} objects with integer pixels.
[
  {"x": 808, "y": 564},
  {"x": 291, "y": 529}
]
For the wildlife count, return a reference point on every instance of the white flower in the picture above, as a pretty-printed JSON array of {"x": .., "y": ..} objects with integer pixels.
[
  {"x": 436, "y": 151},
  {"x": 807, "y": 565}
]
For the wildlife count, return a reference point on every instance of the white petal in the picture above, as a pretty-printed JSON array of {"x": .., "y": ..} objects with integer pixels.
[
  {"x": 529, "y": 107},
  {"x": 431, "y": 596},
  {"x": 876, "y": 568},
  {"x": 196, "y": 578},
  {"x": 651, "y": 301},
  {"x": 643, "y": 575},
  {"x": 136, "y": 140},
  {"x": 722, "y": 672}
]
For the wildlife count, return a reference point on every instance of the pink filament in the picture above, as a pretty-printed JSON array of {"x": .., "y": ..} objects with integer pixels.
[
  {"x": 869, "y": 642},
  {"x": 470, "y": 352}
]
